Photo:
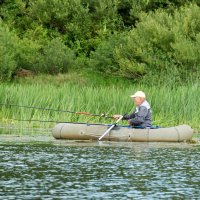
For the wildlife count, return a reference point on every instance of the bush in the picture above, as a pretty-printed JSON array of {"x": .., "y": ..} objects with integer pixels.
[
  {"x": 55, "y": 58},
  {"x": 39, "y": 56},
  {"x": 103, "y": 59},
  {"x": 81, "y": 23},
  {"x": 8, "y": 52},
  {"x": 164, "y": 44},
  {"x": 163, "y": 37},
  {"x": 28, "y": 54}
]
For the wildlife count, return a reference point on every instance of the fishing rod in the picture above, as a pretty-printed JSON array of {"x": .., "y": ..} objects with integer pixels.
[
  {"x": 52, "y": 121},
  {"x": 37, "y": 120},
  {"x": 56, "y": 110}
]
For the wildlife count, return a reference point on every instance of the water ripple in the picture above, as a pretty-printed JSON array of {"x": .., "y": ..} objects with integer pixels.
[{"x": 58, "y": 171}]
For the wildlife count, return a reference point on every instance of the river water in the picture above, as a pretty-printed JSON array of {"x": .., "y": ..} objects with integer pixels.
[{"x": 45, "y": 168}]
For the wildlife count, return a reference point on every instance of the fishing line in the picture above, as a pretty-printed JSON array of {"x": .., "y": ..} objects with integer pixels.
[
  {"x": 50, "y": 121},
  {"x": 56, "y": 110}
]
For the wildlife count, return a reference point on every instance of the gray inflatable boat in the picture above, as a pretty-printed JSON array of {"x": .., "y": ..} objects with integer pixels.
[{"x": 84, "y": 131}]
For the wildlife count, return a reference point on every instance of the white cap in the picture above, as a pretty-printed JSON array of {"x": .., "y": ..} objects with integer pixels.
[{"x": 139, "y": 94}]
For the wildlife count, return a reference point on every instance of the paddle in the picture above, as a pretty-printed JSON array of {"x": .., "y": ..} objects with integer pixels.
[{"x": 107, "y": 131}]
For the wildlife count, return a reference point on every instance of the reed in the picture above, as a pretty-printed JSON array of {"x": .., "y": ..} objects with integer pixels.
[{"x": 171, "y": 106}]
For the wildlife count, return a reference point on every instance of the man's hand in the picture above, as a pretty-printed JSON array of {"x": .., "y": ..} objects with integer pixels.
[
  {"x": 116, "y": 116},
  {"x": 130, "y": 122}
]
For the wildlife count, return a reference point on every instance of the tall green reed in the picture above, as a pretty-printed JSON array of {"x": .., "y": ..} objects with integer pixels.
[{"x": 171, "y": 106}]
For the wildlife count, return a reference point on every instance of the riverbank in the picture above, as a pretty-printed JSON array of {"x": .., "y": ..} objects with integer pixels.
[{"x": 93, "y": 94}]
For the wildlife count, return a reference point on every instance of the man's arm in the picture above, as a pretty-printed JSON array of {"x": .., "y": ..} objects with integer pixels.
[
  {"x": 139, "y": 117},
  {"x": 127, "y": 117}
]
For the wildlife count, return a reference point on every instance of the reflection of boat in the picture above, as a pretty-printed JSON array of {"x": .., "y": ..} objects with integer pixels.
[{"x": 83, "y": 131}]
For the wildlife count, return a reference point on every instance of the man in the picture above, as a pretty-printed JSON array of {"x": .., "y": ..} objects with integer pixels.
[{"x": 142, "y": 116}]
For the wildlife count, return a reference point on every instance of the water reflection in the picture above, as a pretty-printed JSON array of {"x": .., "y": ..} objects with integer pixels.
[{"x": 53, "y": 169}]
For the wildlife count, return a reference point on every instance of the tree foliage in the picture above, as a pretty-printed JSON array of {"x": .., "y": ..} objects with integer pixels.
[
  {"x": 170, "y": 45},
  {"x": 9, "y": 44},
  {"x": 135, "y": 39}
]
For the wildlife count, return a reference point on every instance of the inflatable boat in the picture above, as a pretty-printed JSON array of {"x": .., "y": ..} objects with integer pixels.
[{"x": 84, "y": 131}]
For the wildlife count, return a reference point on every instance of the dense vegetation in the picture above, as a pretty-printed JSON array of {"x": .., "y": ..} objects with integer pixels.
[
  {"x": 178, "y": 105},
  {"x": 105, "y": 46},
  {"x": 140, "y": 40}
]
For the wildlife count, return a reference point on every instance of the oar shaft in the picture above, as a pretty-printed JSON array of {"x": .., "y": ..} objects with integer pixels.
[{"x": 110, "y": 128}]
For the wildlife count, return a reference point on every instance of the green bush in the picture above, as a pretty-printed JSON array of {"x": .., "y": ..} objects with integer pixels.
[
  {"x": 55, "y": 58},
  {"x": 82, "y": 24},
  {"x": 8, "y": 52},
  {"x": 103, "y": 59},
  {"x": 28, "y": 53},
  {"x": 39, "y": 56},
  {"x": 162, "y": 44},
  {"x": 135, "y": 39}
]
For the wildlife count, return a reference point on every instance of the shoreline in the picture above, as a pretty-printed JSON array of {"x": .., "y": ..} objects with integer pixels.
[{"x": 48, "y": 139}]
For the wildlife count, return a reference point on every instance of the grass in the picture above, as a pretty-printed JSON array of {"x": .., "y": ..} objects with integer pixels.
[{"x": 78, "y": 92}]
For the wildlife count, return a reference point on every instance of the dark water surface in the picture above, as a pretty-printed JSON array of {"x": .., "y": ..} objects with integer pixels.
[{"x": 48, "y": 169}]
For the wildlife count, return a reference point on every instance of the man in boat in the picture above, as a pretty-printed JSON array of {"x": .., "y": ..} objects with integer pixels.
[{"x": 142, "y": 116}]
